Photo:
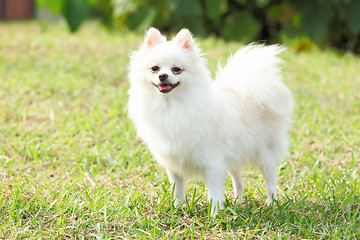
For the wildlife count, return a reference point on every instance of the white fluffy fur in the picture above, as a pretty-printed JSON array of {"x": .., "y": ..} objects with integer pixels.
[{"x": 210, "y": 128}]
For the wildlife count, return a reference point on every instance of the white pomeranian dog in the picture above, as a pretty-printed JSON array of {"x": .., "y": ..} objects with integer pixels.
[{"x": 198, "y": 127}]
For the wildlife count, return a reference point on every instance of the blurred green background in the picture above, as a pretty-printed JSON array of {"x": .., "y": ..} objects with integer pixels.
[{"x": 334, "y": 23}]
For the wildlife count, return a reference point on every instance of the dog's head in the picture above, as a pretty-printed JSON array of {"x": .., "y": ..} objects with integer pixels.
[{"x": 166, "y": 65}]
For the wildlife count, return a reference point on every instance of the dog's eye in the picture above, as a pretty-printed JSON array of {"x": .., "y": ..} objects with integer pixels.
[
  {"x": 176, "y": 70},
  {"x": 155, "y": 68}
]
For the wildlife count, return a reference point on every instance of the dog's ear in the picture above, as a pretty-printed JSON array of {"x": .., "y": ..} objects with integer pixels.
[
  {"x": 153, "y": 38},
  {"x": 185, "y": 39}
]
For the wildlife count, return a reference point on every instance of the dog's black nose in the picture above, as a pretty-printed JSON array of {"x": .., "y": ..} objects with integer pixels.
[{"x": 163, "y": 77}]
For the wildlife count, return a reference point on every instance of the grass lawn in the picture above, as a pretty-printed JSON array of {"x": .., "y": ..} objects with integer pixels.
[{"x": 72, "y": 167}]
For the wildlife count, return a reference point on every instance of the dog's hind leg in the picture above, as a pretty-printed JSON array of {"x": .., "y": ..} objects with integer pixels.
[
  {"x": 270, "y": 172},
  {"x": 238, "y": 183},
  {"x": 179, "y": 183}
]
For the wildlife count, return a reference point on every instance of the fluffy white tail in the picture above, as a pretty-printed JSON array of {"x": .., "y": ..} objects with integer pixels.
[{"x": 255, "y": 73}]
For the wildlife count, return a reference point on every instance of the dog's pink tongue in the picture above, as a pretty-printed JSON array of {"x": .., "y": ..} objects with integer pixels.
[{"x": 164, "y": 86}]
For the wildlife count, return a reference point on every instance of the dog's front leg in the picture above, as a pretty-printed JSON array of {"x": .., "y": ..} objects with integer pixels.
[
  {"x": 215, "y": 178},
  {"x": 179, "y": 182}
]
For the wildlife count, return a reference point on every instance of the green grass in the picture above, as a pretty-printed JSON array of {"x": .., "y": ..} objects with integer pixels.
[{"x": 72, "y": 167}]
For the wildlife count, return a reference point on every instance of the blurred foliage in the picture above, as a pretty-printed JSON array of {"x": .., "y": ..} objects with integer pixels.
[{"x": 331, "y": 22}]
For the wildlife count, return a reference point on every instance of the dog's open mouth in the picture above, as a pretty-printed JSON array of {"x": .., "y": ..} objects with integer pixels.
[{"x": 166, "y": 87}]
